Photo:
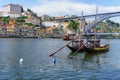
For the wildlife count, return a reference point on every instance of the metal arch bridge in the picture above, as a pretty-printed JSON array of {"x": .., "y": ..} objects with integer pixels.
[{"x": 100, "y": 17}]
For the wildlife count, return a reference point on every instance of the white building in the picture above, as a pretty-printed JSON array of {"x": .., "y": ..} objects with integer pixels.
[
  {"x": 33, "y": 21},
  {"x": 51, "y": 24},
  {"x": 12, "y": 10},
  {"x": 1, "y": 14}
]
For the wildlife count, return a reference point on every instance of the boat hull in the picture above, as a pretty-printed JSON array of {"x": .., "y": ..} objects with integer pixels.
[
  {"x": 98, "y": 49},
  {"x": 74, "y": 49}
]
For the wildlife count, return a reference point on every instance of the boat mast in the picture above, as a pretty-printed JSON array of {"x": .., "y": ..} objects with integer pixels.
[
  {"x": 95, "y": 23},
  {"x": 81, "y": 26}
]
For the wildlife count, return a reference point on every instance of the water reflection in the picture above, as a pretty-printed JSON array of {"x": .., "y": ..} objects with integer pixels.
[{"x": 83, "y": 61}]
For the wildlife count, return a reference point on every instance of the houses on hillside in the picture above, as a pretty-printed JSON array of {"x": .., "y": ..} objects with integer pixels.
[{"x": 46, "y": 23}]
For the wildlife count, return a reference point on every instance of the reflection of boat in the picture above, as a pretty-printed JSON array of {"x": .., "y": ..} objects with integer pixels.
[
  {"x": 84, "y": 61},
  {"x": 76, "y": 45}
]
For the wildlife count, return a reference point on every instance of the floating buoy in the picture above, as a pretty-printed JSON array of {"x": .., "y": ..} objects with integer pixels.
[
  {"x": 21, "y": 60},
  {"x": 54, "y": 60}
]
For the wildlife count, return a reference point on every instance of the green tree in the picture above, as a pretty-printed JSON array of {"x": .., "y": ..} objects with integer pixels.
[
  {"x": 108, "y": 21},
  {"x": 73, "y": 25},
  {"x": 20, "y": 20},
  {"x": 5, "y": 20},
  {"x": 29, "y": 10},
  {"x": 32, "y": 13},
  {"x": 29, "y": 24},
  {"x": 117, "y": 24}
]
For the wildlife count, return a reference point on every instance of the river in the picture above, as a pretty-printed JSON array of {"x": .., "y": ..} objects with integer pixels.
[{"x": 37, "y": 65}]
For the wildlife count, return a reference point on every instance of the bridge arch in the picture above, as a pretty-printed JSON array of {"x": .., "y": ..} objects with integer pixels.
[{"x": 102, "y": 17}]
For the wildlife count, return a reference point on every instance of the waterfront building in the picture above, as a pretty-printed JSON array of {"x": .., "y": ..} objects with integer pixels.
[
  {"x": 50, "y": 23},
  {"x": 11, "y": 26},
  {"x": 11, "y": 10},
  {"x": 52, "y": 27}
]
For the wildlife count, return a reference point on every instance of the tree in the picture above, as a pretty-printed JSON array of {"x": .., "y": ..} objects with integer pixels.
[
  {"x": 108, "y": 21},
  {"x": 117, "y": 24},
  {"x": 29, "y": 10},
  {"x": 35, "y": 15},
  {"x": 5, "y": 20},
  {"x": 73, "y": 25},
  {"x": 20, "y": 20},
  {"x": 29, "y": 24},
  {"x": 32, "y": 13},
  {"x": 111, "y": 23}
]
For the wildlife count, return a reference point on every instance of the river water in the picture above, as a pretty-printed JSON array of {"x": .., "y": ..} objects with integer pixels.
[{"x": 37, "y": 65}]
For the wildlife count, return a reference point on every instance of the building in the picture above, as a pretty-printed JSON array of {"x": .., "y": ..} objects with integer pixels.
[
  {"x": 12, "y": 10},
  {"x": 33, "y": 21},
  {"x": 1, "y": 14},
  {"x": 52, "y": 27},
  {"x": 45, "y": 17},
  {"x": 59, "y": 17}
]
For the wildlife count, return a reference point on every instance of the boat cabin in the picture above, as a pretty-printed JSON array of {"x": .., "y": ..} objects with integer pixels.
[
  {"x": 92, "y": 43},
  {"x": 77, "y": 43}
]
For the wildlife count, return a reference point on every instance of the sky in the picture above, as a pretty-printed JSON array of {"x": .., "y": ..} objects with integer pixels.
[{"x": 66, "y": 7}]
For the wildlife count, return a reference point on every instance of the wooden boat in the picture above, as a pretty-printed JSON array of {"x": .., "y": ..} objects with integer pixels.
[
  {"x": 95, "y": 46},
  {"x": 76, "y": 45}
]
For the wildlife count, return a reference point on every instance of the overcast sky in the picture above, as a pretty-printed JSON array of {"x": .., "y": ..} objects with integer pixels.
[{"x": 66, "y": 7}]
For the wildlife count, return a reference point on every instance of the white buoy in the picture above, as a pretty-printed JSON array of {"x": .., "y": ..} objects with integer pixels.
[{"x": 21, "y": 60}]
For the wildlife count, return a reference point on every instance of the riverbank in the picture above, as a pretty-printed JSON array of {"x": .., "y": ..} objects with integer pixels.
[
  {"x": 55, "y": 36},
  {"x": 35, "y": 36},
  {"x": 14, "y": 36}
]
